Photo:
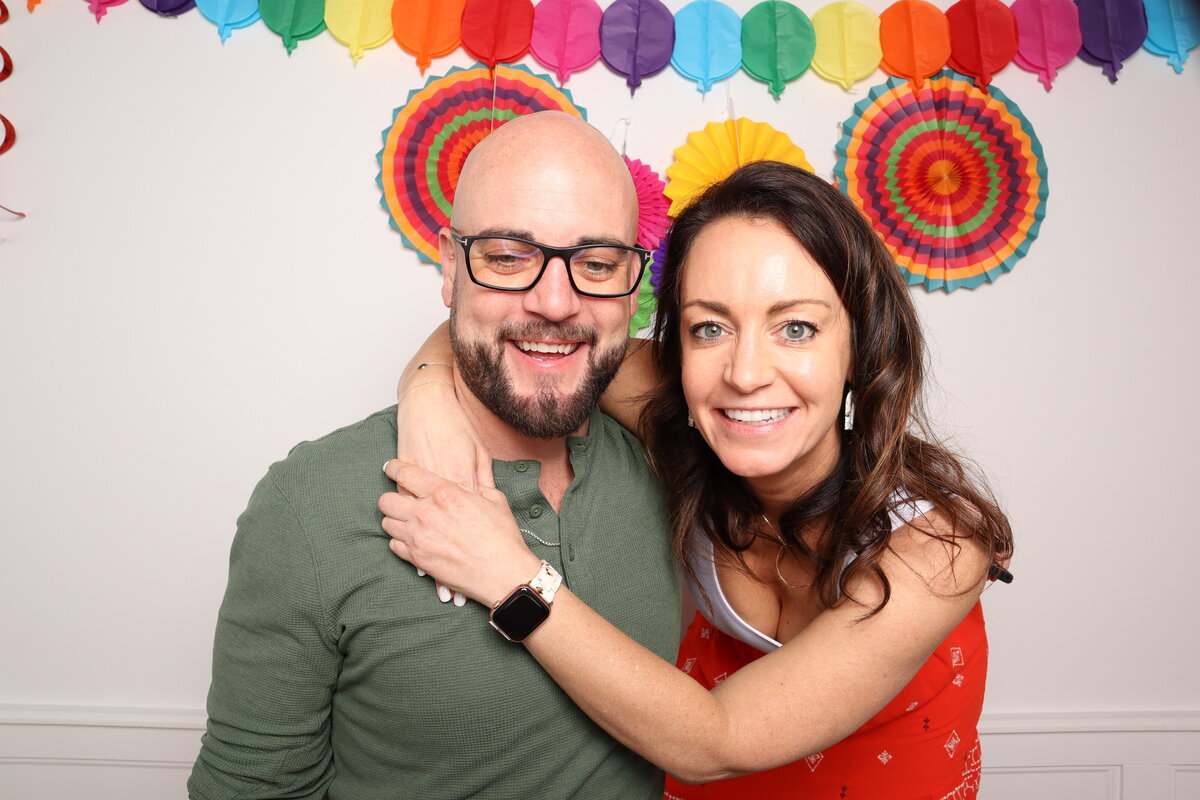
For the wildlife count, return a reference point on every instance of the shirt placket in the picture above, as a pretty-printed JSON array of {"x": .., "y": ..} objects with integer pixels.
[{"x": 540, "y": 526}]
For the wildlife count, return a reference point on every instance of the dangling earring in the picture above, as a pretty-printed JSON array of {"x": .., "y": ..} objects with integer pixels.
[
  {"x": 691, "y": 422},
  {"x": 848, "y": 414}
]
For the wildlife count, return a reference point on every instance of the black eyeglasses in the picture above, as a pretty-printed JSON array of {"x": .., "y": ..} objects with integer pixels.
[{"x": 508, "y": 264}]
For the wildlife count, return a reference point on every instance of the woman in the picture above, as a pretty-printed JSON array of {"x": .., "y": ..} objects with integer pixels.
[{"x": 836, "y": 556}]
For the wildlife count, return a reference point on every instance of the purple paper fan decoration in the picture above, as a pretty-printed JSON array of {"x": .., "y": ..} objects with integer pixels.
[{"x": 660, "y": 255}]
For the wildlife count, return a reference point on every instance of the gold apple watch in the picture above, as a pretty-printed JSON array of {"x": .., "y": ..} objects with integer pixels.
[{"x": 519, "y": 614}]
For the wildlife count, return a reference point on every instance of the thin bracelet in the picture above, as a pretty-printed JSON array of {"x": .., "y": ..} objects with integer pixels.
[
  {"x": 433, "y": 364},
  {"x": 419, "y": 385}
]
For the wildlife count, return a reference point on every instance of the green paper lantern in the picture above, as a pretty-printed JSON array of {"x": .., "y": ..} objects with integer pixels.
[{"x": 778, "y": 43}]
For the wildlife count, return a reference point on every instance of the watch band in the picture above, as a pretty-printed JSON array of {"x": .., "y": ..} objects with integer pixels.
[
  {"x": 528, "y": 606},
  {"x": 546, "y": 582}
]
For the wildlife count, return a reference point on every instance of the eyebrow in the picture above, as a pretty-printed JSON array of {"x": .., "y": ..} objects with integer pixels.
[
  {"x": 528, "y": 236},
  {"x": 782, "y": 305}
]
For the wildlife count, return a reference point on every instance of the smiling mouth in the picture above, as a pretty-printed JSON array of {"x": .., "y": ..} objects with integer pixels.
[
  {"x": 547, "y": 348},
  {"x": 757, "y": 416}
]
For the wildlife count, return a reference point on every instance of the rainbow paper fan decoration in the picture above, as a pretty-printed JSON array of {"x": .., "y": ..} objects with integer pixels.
[
  {"x": 431, "y": 135},
  {"x": 719, "y": 149},
  {"x": 952, "y": 178}
]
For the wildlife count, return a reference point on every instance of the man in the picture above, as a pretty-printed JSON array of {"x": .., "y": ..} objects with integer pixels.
[{"x": 336, "y": 671}]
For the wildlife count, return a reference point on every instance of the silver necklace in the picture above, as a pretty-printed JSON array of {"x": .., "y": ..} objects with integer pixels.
[
  {"x": 537, "y": 538},
  {"x": 783, "y": 546}
]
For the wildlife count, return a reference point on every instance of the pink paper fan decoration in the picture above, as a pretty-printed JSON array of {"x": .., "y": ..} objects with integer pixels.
[{"x": 652, "y": 203}]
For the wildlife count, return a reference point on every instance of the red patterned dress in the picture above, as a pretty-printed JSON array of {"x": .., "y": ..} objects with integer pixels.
[{"x": 922, "y": 746}]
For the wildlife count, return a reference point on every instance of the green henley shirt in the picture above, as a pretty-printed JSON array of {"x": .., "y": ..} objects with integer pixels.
[{"x": 337, "y": 673}]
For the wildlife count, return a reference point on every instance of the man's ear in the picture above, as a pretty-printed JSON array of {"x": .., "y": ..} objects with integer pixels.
[{"x": 448, "y": 252}]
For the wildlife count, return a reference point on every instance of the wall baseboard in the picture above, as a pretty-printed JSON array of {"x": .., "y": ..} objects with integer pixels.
[
  {"x": 65, "y": 752},
  {"x": 1089, "y": 722}
]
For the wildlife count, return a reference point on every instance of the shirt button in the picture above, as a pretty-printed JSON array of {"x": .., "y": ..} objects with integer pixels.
[
  {"x": 535, "y": 511},
  {"x": 522, "y": 466}
]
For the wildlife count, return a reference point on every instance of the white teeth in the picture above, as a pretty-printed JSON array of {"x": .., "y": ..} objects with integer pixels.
[
  {"x": 545, "y": 347},
  {"x": 758, "y": 415}
]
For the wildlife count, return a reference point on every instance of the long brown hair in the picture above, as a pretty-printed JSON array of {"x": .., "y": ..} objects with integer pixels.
[{"x": 889, "y": 456}]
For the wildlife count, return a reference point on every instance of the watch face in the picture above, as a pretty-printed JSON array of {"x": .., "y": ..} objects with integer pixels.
[{"x": 520, "y": 614}]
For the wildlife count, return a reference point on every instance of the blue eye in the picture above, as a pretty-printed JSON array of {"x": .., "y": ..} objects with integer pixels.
[
  {"x": 798, "y": 331},
  {"x": 707, "y": 330}
]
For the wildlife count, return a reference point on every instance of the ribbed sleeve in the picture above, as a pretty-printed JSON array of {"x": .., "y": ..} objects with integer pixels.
[{"x": 274, "y": 665}]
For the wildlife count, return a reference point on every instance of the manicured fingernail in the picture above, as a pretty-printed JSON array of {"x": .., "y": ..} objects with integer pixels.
[
  {"x": 385, "y": 465},
  {"x": 444, "y": 594},
  {"x": 460, "y": 599},
  {"x": 420, "y": 572}
]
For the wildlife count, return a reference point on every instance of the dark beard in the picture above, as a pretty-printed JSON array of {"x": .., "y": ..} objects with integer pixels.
[{"x": 547, "y": 415}]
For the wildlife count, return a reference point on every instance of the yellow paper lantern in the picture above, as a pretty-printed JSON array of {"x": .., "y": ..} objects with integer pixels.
[
  {"x": 359, "y": 24},
  {"x": 847, "y": 42}
]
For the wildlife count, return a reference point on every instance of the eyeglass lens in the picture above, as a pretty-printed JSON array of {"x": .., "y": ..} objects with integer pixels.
[{"x": 514, "y": 264}]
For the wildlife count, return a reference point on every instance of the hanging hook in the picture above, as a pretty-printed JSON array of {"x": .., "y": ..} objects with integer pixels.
[
  {"x": 625, "y": 138},
  {"x": 737, "y": 135}
]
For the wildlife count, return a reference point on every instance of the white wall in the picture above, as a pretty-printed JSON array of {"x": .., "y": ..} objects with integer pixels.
[{"x": 205, "y": 277}]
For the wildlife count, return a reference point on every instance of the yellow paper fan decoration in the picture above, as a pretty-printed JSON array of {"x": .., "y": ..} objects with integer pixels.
[
  {"x": 847, "y": 42},
  {"x": 715, "y": 152}
]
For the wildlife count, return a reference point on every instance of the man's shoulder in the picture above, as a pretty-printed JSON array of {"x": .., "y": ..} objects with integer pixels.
[
  {"x": 619, "y": 446},
  {"x": 364, "y": 433},
  {"x": 342, "y": 457},
  {"x": 612, "y": 432}
]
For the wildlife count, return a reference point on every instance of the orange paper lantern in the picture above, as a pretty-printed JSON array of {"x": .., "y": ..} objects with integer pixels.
[
  {"x": 427, "y": 28},
  {"x": 915, "y": 38}
]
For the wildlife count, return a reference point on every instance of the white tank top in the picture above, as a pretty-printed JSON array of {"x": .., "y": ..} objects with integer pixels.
[{"x": 717, "y": 608}]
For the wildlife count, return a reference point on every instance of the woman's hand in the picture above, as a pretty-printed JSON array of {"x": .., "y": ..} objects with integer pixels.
[
  {"x": 468, "y": 540},
  {"x": 433, "y": 430}
]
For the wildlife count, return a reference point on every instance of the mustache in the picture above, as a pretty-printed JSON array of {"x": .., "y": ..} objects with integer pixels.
[{"x": 546, "y": 330}]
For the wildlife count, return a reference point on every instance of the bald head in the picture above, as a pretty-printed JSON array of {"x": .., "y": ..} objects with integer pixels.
[
  {"x": 538, "y": 359},
  {"x": 534, "y": 164}
]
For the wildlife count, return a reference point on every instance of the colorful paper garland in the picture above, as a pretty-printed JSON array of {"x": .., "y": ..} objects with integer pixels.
[
  {"x": 847, "y": 49},
  {"x": 566, "y": 35}
]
